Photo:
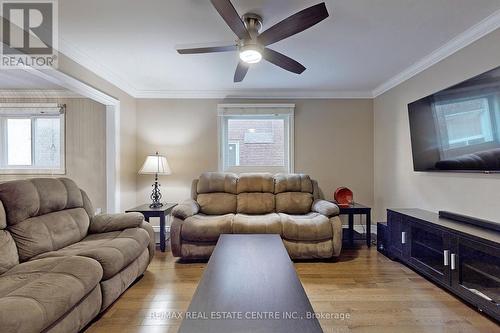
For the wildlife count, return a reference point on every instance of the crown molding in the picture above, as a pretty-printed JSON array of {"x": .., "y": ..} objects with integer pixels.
[
  {"x": 253, "y": 94},
  {"x": 469, "y": 36},
  {"x": 14, "y": 93},
  {"x": 72, "y": 84}
]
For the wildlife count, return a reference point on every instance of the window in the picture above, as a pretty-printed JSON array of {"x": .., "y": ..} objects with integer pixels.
[
  {"x": 256, "y": 137},
  {"x": 32, "y": 138}
]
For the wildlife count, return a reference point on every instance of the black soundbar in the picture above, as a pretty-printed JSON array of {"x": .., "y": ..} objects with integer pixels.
[{"x": 470, "y": 220}]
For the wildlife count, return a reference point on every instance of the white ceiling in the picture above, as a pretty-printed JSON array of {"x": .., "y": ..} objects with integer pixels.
[{"x": 362, "y": 45}]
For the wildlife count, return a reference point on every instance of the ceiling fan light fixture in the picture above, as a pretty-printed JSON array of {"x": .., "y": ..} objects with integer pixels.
[
  {"x": 252, "y": 44},
  {"x": 250, "y": 54}
]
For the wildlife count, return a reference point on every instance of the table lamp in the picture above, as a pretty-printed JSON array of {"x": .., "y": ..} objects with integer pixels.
[{"x": 155, "y": 165}]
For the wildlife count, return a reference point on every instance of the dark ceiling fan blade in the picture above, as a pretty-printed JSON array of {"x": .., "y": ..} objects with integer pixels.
[
  {"x": 283, "y": 61},
  {"x": 241, "y": 71},
  {"x": 207, "y": 49},
  {"x": 294, "y": 24},
  {"x": 230, "y": 15}
]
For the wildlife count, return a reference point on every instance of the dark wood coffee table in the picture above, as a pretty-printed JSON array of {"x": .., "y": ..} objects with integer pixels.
[{"x": 250, "y": 285}]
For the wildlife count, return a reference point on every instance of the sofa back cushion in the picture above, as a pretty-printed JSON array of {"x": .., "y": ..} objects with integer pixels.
[
  {"x": 216, "y": 193},
  {"x": 217, "y": 203},
  {"x": 294, "y": 202},
  {"x": 8, "y": 250},
  {"x": 213, "y": 182},
  {"x": 220, "y": 193},
  {"x": 293, "y": 193},
  {"x": 255, "y": 193},
  {"x": 255, "y": 203},
  {"x": 294, "y": 182},
  {"x": 255, "y": 182},
  {"x": 44, "y": 214}
]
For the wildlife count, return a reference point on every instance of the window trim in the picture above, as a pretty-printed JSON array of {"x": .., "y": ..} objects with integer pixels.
[
  {"x": 237, "y": 149},
  {"x": 31, "y": 111},
  {"x": 232, "y": 111}
]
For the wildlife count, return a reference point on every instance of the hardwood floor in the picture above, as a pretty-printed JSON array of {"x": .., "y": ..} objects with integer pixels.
[{"x": 377, "y": 295}]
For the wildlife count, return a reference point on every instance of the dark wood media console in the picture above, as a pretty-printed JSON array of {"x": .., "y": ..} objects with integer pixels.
[{"x": 463, "y": 258}]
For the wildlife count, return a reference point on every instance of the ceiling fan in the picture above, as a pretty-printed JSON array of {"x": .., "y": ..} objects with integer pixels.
[{"x": 252, "y": 46}]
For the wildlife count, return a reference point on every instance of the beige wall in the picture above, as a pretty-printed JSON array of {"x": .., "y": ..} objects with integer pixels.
[
  {"x": 127, "y": 130},
  {"x": 85, "y": 145},
  {"x": 333, "y": 143},
  {"x": 396, "y": 184}
]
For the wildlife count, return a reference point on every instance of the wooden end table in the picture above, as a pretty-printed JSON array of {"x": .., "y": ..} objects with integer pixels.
[
  {"x": 357, "y": 209},
  {"x": 160, "y": 212}
]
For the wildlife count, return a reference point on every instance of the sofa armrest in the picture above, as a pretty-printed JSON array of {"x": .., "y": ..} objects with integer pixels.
[
  {"x": 186, "y": 209},
  {"x": 152, "y": 241},
  {"x": 326, "y": 208},
  {"x": 337, "y": 235},
  {"x": 175, "y": 236},
  {"x": 114, "y": 222}
]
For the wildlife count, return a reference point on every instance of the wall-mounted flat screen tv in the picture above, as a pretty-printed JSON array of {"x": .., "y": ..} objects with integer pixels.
[{"x": 458, "y": 129}]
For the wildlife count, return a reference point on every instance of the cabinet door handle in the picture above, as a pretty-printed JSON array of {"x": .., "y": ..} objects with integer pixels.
[
  {"x": 403, "y": 237},
  {"x": 446, "y": 254},
  {"x": 453, "y": 257}
]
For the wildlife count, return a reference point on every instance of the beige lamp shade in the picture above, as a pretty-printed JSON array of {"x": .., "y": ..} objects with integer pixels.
[{"x": 155, "y": 164}]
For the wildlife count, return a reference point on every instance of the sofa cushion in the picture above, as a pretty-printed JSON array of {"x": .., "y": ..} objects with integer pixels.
[
  {"x": 116, "y": 285},
  {"x": 8, "y": 249},
  {"x": 255, "y": 203},
  {"x": 255, "y": 182},
  {"x": 257, "y": 224},
  {"x": 292, "y": 183},
  {"x": 294, "y": 202},
  {"x": 309, "y": 249},
  {"x": 217, "y": 203},
  {"x": 35, "y": 294},
  {"x": 23, "y": 199},
  {"x": 43, "y": 214},
  {"x": 211, "y": 182},
  {"x": 8, "y": 252},
  {"x": 3, "y": 217},
  {"x": 309, "y": 227},
  {"x": 113, "y": 250},
  {"x": 206, "y": 228},
  {"x": 49, "y": 232}
]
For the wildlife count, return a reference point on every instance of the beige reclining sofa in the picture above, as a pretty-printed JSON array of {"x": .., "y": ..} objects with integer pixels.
[
  {"x": 61, "y": 265},
  {"x": 284, "y": 204}
]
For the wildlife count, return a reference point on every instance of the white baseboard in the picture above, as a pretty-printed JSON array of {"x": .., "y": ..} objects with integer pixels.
[
  {"x": 362, "y": 228},
  {"x": 156, "y": 228}
]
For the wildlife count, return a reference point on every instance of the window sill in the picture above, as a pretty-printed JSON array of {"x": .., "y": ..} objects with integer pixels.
[{"x": 47, "y": 172}]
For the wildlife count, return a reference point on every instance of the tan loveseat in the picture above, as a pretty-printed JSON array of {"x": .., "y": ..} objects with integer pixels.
[
  {"x": 284, "y": 204},
  {"x": 61, "y": 265}
]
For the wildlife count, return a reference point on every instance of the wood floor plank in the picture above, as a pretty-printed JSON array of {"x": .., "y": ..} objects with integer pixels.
[{"x": 378, "y": 294}]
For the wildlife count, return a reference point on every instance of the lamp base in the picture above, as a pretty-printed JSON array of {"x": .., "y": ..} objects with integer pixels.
[
  {"x": 156, "y": 205},
  {"x": 156, "y": 194}
]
